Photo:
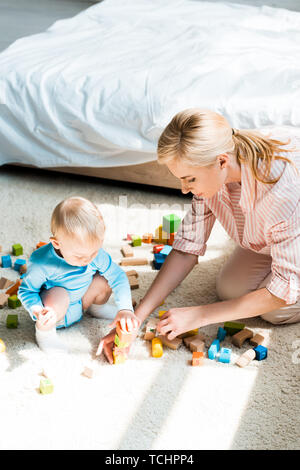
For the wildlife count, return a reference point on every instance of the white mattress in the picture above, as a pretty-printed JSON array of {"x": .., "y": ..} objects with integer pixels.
[{"x": 97, "y": 89}]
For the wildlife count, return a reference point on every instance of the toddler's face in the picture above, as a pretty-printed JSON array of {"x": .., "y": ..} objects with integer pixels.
[{"x": 76, "y": 252}]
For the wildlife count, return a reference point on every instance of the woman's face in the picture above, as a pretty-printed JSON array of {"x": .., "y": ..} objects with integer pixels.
[{"x": 201, "y": 181}]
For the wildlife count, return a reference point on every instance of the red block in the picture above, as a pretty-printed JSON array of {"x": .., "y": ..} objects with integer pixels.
[{"x": 157, "y": 248}]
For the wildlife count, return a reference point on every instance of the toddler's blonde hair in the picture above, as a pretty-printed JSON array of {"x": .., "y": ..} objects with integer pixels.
[
  {"x": 79, "y": 217},
  {"x": 197, "y": 136}
]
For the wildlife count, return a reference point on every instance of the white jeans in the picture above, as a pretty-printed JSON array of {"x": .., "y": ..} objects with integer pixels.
[{"x": 246, "y": 271}]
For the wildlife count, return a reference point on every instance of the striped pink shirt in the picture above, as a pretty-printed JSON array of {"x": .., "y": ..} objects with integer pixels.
[{"x": 260, "y": 217}]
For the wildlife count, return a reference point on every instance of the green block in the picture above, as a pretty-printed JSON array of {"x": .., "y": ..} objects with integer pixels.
[
  {"x": 17, "y": 249},
  {"x": 233, "y": 327},
  {"x": 46, "y": 386},
  {"x": 136, "y": 240},
  {"x": 117, "y": 340},
  {"x": 12, "y": 321},
  {"x": 13, "y": 301},
  {"x": 171, "y": 223}
]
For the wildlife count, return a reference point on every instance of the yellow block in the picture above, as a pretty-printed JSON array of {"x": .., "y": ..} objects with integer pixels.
[
  {"x": 189, "y": 333},
  {"x": 161, "y": 313},
  {"x": 160, "y": 235},
  {"x": 119, "y": 358},
  {"x": 2, "y": 346},
  {"x": 157, "y": 348}
]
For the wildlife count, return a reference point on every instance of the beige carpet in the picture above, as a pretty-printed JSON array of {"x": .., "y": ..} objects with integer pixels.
[{"x": 146, "y": 403}]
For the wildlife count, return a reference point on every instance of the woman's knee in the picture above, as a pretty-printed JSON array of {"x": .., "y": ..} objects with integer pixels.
[{"x": 229, "y": 287}]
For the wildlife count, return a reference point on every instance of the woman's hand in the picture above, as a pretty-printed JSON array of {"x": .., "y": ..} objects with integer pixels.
[{"x": 179, "y": 320}]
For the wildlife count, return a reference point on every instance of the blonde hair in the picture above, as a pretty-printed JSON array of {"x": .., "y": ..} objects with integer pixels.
[
  {"x": 79, "y": 217},
  {"x": 196, "y": 137}
]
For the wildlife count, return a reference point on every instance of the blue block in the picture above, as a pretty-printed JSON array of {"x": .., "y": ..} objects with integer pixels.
[
  {"x": 214, "y": 348},
  {"x": 221, "y": 334},
  {"x": 157, "y": 265},
  {"x": 159, "y": 258},
  {"x": 166, "y": 250},
  {"x": 6, "y": 261},
  {"x": 212, "y": 352},
  {"x": 225, "y": 355},
  {"x": 261, "y": 352},
  {"x": 216, "y": 342},
  {"x": 18, "y": 263}
]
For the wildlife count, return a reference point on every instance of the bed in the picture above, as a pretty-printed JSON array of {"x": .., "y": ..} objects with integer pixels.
[{"x": 92, "y": 94}]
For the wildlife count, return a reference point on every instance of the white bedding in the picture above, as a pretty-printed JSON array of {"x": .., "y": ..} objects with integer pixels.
[{"x": 97, "y": 89}]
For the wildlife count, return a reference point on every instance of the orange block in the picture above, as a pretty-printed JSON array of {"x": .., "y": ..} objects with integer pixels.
[
  {"x": 39, "y": 244},
  {"x": 147, "y": 238},
  {"x": 124, "y": 336},
  {"x": 198, "y": 358},
  {"x": 13, "y": 290},
  {"x": 171, "y": 239}
]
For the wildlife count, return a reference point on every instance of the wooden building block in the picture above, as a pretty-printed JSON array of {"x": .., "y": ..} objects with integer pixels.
[
  {"x": 136, "y": 240},
  {"x": 197, "y": 345},
  {"x": 39, "y": 244},
  {"x": 151, "y": 329},
  {"x": 147, "y": 238},
  {"x": 172, "y": 344},
  {"x": 3, "y": 300},
  {"x": 261, "y": 352},
  {"x": 246, "y": 358},
  {"x": 13, "y": 290},
  {"x": 157, "y": 248},
  {"x": 12, "y": 321},
  {"x": 257, "y": 340},
  {"x": 2, "y": 346},
  {"x": 171, "y": 223},
  {"x": 46, "y": 386},
  {"x": 119, "y": 358},
  {"x": 6, "y": 261},
  {"x": 23, "y": 269},
  {"x": 13, "y": 301},
  {"x": 157, "y": 348},
  {"x": 189, "y": 333},
  {"x": 239, "y": 338},
  {"x": 198, "y": 358},
  {"x": 225, "y": 355},
  {"x": 170, "y": 240},
  {"x": 17, "y": 249},
  {"x": 233, "y": 327},
  {"x": 127, "y": 251},
  {"x": 160, "y": 235},
  {"x": 133, "y": 261},
  {"x": 161, "y": 313},
  {"x": 132, "y": 272},
  {"x": 198, "y": 337},
  {"x": 125, "y": 337},
  {"x": 5, "y": 283},
  {"x": 133, "y": 282},
  {"x": 88, "y": 372}
]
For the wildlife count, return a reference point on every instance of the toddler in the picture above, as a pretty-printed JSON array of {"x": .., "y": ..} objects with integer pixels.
[{"x": 72, "y": 273}]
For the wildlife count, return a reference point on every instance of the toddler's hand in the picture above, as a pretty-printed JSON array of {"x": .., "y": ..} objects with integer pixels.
[
  {"x": 128, "y": 321},
  {"x": 45, "y": 316}
]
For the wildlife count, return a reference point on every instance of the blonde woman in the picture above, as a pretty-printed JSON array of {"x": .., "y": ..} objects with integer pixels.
[{"x": 250, "y": 182}]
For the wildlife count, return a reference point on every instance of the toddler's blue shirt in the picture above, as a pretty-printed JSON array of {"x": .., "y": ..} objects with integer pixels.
[{"x": 47, "y": 269}]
